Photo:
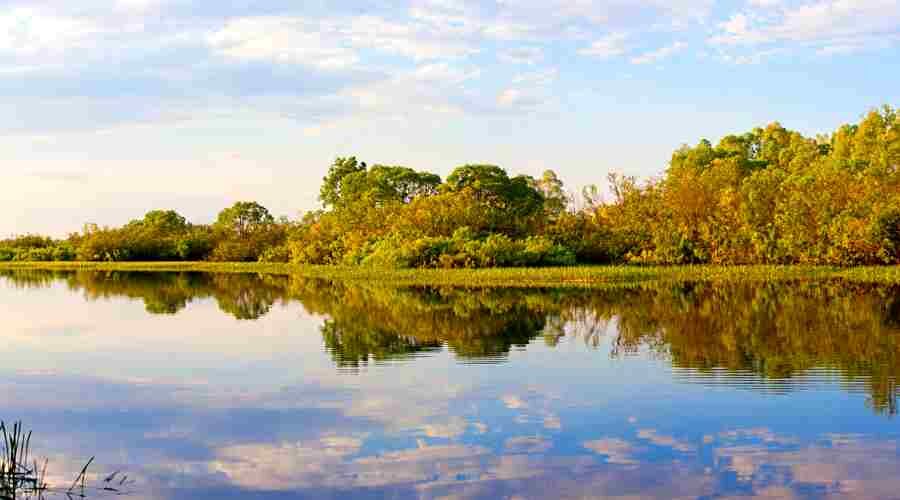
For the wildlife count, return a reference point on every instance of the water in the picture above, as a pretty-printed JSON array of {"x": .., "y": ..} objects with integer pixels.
[{"x": 236, "y": 386}]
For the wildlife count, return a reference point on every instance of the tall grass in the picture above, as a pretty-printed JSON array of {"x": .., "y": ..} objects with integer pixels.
[
  {"x": 19, "y": 474},
  {"x": 23, "y": 477}
]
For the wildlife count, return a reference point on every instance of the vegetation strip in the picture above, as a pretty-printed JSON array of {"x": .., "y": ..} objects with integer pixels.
[
  {"x": 584, "y": 276},
  {"x": 770, "y": 196}
]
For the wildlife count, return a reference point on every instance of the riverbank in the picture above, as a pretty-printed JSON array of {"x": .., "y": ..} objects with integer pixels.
[{"x": 578, "y": 276}]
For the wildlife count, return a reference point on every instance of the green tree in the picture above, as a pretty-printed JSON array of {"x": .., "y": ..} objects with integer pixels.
[
  {"x": 165, "y": 221},
  {"x": 552, "y": 188},
  {"x": 400, "y": 183},
  {"x": 332, "y": 191},
  {"x": 517, "y": 196},
  {"x": 244, "y": 218}
]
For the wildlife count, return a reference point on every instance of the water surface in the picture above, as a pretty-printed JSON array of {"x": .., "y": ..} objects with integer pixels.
[{"x": 241, "y": 386}]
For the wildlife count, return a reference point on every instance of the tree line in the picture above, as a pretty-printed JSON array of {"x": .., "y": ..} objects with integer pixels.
[{"x": 771, "y": 195}]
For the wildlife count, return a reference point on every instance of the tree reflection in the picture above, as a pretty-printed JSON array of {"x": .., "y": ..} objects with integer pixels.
[
  {"x": 243, "y": 296},
  {"x": 247, "y": 297},
  {"x": 380, "y": 323},
  {"x": 775, "y": 331}
]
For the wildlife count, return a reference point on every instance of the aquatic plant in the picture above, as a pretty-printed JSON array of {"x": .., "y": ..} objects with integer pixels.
[{"x": 23, "y": 477}]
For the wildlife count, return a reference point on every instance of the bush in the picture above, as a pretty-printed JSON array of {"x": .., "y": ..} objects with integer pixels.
[
  {"x": 195, "y": 245},
  {"x": 466, "y": 250},
  {"x": 279, "y": 253}
]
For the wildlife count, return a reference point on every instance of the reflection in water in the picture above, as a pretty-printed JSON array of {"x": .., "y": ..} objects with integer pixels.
[
  {"x": 760, "y": 334},
  {"x": 665, "y": 390}
]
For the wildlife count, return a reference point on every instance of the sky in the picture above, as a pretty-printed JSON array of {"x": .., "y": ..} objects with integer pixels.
[{"x": 114, "y": 108}]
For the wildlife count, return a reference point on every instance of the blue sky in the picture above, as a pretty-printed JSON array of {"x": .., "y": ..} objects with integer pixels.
[{"x": 113, "y": 108}]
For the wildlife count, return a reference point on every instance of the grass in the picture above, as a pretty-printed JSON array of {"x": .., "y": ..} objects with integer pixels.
[{"x": 578, "y": 276}]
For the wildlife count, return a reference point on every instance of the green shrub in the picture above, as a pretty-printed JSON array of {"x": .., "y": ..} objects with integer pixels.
[{"x": 279, "y": 253}]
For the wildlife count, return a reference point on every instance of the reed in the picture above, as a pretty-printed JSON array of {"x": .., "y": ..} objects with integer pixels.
[{"x": 23, "y": 477}]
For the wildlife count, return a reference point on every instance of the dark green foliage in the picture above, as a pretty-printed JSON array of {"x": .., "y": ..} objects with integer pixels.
[
  {"x": 333, "y": 190},
  {"x": 244, "y": 219},
  {"x": 33, "y": 248},
  {"x": 517, "y": 196},
  {"x": 466, "y": 250}
]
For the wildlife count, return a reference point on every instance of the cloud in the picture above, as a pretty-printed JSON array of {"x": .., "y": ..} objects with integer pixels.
[
  {"x": 138, "y": 5},
  {"x": 523, "y": 55},
  {"x": 511, "y": 97},
  {"x": 415, "y": 41},
  {"x": 165, "y": 61},
  {"x": 665, "y": 441},
  {"x": 527, "y": 444},
  {"x": 610, "y": 45},
  {"x": 444, "y": 74},
  {"x": 552, "y": 422},
  {"x": 617, "y": 451},
  {"x": 283, "y": 465},
  {"x": 451, "y": 429},
  {"x": 659, "y": 54},
  {"x": 32, "y": 32},
  {"x": 827, "y": 26},
  {"x": 514, "y": 402},
  {"x": 283, "y": 40}
]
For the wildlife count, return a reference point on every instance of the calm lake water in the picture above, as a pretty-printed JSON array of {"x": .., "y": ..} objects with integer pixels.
[{"x": 238, "y": 386}]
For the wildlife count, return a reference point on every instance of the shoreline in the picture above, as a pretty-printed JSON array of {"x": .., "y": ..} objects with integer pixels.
[{"x": 547, "y": 277}]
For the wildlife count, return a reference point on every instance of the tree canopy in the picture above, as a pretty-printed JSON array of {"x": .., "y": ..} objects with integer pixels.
[{"x": 770, "y": 195}]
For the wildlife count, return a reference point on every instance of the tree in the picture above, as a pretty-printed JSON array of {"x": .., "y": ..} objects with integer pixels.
[
  {"x": 490, "y": 183},
  {"x": 555, "y": 199},
  {"x": 332, "y": 190},
  {"x": 400, "y": 183},
  {"x": 487, "y": 180},
  {"x": 166, "y": 221},
  {"x": 244, "y": 218},
  {"x": 385, "y": 184}
]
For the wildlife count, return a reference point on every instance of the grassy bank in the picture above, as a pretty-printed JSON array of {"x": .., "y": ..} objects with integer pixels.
[{"x": 584, "y": 276}]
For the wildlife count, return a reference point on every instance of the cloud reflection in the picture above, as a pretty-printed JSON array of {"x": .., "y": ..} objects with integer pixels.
[{"x": 201, "y": 404}]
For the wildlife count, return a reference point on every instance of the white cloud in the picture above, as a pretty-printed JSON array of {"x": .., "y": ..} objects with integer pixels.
[
  {"x": 659, "y": 54},
  {"x": 411, "y": 40},
  {"x": 611, "y": 45},
  {"x": 755, "y": 57},
  {"x": 616, "y": 450},
  {"x": 523, "y": 55},
  {"x": 283, "y": 40},
  {"x": 138, "y": 5},
  {"x": 453, "y": 428},
  {"x": 331, "y": 43},
  {"x": 510, "y": 97},
  {"x": 544, "y": 15},
  {"x": 527, "y": 444},
  {"x": 514, "y": 402},
  {"x": 34, "y": 33},
  {"x": 663, "y": 440},
  {"x": 537, "y": 78},
  {"x": 444, "y": 73},
  {"x": 828, "y": 26}
]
